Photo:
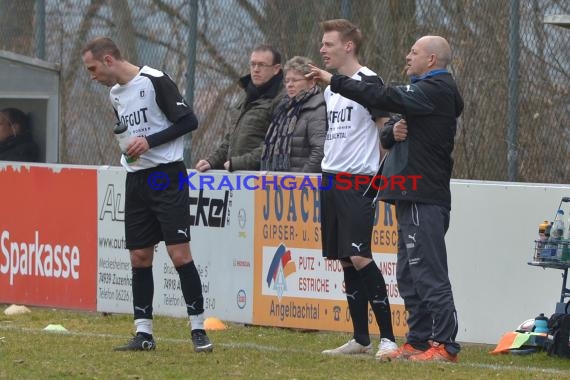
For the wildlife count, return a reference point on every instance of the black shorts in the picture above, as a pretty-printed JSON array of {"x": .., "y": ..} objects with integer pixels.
[
  {"x": 347, "y": 218},
  {"x": 154, "y": 213}
]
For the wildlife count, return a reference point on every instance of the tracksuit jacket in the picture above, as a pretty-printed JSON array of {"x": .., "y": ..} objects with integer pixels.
[{"x": 430, "y": 105}]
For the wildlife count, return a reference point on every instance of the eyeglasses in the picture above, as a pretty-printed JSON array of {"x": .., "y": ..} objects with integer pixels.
[
  {"x": 261, "y": 65},
  {"x": 287, "y": 81}
]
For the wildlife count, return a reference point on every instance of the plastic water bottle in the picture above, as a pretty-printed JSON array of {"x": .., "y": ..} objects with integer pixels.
[
  {"x": 565, "y": 257},
  {"x": 123, "y": 137},
  {"x": 548, "y": 250},
  {"x": 557, "y": 230},
  {"x": 540, "y": 327},
  {"x": 541, "y": 324},
  {"x": 542, "y": 233},
  {"x": 542, "y": 229},
  {"x": 557, "y": 234}
]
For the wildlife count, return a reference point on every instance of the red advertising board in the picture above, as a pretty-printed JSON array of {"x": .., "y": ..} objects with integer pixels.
[{"x": 48, "y": 236}]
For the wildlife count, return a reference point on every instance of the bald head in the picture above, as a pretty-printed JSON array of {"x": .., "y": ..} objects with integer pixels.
[
  {"x": 439, "y": 47},
  {"x": 428, "y": 53}
]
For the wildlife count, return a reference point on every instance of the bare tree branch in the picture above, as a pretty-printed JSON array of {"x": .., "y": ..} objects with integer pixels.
[{"x": 75, "y": 62}]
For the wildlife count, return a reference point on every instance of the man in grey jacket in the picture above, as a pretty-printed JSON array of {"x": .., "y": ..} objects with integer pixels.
[{"x": 243, "y": 142}]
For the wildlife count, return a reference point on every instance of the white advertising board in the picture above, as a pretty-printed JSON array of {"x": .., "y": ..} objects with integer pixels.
[
  {"x": 489, "y": 244},
  {"x": 221, "y": 232}
]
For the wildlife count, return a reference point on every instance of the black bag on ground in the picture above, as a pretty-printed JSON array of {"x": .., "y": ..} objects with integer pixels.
[{"x": 558, "y": 335}]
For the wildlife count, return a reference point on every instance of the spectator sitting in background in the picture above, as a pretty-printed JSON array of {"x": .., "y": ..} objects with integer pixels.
[
  {"x": 296, "y": 135},
  {"x": 16, "y": 142}
]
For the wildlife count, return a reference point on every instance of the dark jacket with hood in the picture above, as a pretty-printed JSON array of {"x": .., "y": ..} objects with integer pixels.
[
  {"x": 19, "y": 148},
  {"x": 249, "y": 119},
  {"x": 430, "y": 105}
]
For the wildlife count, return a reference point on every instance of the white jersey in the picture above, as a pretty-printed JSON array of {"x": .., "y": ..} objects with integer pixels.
[
  {"x": 150, "y": 103},
  {"x": 352, "y": 144}
]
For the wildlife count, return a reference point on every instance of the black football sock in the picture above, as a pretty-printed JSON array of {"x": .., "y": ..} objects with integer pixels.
[
  {"x": 143, "y": 292},
  {"x": 378, "y": 297},
  {"x": 357, "y": 299},
  {"x": 191, "y": 288}
]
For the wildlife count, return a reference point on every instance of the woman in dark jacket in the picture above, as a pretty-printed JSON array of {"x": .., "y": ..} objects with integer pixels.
[
  {"x": 296, "y": 136},
  {"x": 16, "y": 142}
]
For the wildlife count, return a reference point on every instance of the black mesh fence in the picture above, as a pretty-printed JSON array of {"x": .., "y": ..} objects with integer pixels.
[{"x": 512, "y": 68}]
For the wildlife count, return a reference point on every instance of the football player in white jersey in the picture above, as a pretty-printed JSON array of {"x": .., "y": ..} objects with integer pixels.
[
  {"x": 352, "y": 149},
  {"x": 149, "y": 103}
]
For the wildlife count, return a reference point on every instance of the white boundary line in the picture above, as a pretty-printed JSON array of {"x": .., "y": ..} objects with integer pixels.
[{"x": 255, "y": 346}]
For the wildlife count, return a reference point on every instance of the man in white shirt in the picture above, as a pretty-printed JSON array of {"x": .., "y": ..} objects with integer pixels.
[
  {"x": 157, "y": 117},
  {"x": 352, "y": 150}
]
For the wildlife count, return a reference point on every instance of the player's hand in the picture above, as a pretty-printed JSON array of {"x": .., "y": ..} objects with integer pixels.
[
  {"x": 203, "y": 165},
  {"x": 138, "y": 146},
  {"x": 227, "y": 165},
  {"x": 321, "y": 76},
  {"x": 400, "y": 130}
]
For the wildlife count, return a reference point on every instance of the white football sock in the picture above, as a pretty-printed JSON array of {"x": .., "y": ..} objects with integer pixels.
[
  {"x": 143, "y": 325},
  {"x": 197, "y": 322}
]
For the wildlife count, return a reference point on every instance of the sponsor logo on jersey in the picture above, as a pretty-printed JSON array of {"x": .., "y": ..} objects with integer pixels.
[{"x": 135, "y": 118}]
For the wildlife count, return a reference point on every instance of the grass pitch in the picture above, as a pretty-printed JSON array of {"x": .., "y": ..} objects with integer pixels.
[{"x": 245, "y": 352}]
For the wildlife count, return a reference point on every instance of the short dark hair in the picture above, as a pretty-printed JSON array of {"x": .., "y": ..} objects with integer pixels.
[
  {"x": 19, "y": 117},
  {"x": 348, "y": 31},
  {"x": 101, "y": 46},
  {"x": 276, "y": 54}
]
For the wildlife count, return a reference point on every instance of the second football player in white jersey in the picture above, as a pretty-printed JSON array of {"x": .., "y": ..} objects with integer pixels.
[{"x": 352, "y": 146}]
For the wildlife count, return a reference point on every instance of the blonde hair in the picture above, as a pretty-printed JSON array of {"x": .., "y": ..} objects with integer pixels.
[
  {"x": 348, "y": 31},
  {"x": 298, "y": 63}
]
